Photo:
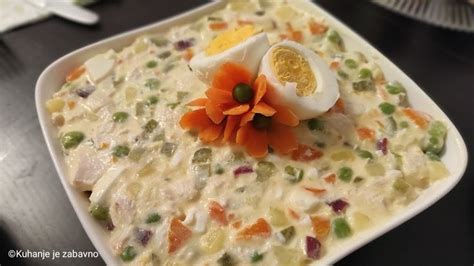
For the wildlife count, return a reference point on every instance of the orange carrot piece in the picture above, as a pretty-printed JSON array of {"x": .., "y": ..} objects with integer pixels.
[
  {"x": 257, "y": 143},
  {"x": 259, "y": 229},
  {"x": 75, "y": 73},
  {"x": 178, "y": 234},
  {"x": 285, "y": 116},
  {"x": 188, "y": 54},
  {"x": 297, "y": 36},
  {"x": 211, "y": 132},
  {"x": 339, "y": 106},
  {"x": 238, "y": 110},
  {"x": 282, "y": 139},
  {"x": 237, "y": 73},
  {"x": 321, "y": 227},
  {"x": 222, "y": 81},
  {"x": 219, "y": 96},
  {"x": 219, "y": 25},
  {"x": 316, "y": 191},
  {"x": 217, "y": 213},
  {"x": 334, "y": 65},
  {"x": 237, "y": 224},
  {"x": 294, "y": 214},
  {"x": 230, "y": 126},
  {"x": 244, "y": 22},
  {"x": 195, "y": 120},
  {"x": 242, "y": 134},
  {"x": 416, "y": 117},
  {"x": 247, "y": 117},
  {"x": 260, "y": 87},
  {"x": 71, "y": 104},
  {"x": 214, "y": 112},
  {"x": 198, "y": 102},
  {"x": 264, "y": 109},
  {"x": 331, "y": 179},
  {"x": 316, "y": 28},
  {"x": 366, "y": 133},
  {"x": 306, "y": 153}
]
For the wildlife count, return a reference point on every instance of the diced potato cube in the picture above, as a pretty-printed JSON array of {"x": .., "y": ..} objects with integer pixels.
[
  {"x": 213, "y": 240},
  {"x": 437, "y": 170},
  {"x": 342, "y": 155},
  {"x": 287, "y": 256},
  {"x": 286, "y": 12},
  {"x": 277, "y": 217},
  {"x": 148, "y": 169},
  {"x": 359, "y": 221},
  {"x": 55, "y": 105}
]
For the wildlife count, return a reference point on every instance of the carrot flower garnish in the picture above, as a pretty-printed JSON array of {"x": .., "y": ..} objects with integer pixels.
[{"x": 242, "y": 110}]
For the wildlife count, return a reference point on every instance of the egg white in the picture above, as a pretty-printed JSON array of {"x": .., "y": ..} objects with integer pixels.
[
  {"x": 247, "y": 53},
  {"x": 304, "y": 107}
]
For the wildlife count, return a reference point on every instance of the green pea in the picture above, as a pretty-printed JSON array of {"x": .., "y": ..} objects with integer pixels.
[
  {"x": 150, "y": 126},
  {"x": 432, "y": 156},
  {"x": 159, "y": 41},
  {"x": 242, "y": 93},
  {"x": 401, "y": 185},
  {"x": 333, "y": 36},
  {"x": 261, "y": 122},
  {"x": 365, "y": 73},
  {"x": 152, "y": 83},
  {"x": 164, "y": 55},
  {"x": 394, "y": 88},
  {"x": 387, "y": 108},
  {"x": 120, "y": 117},
  {"x": 226, "y": 260},
  {"x": 437, "y": 129},
  {"x": 99, "y": 212},
  {"x": 128, "y": 254},
  {"x": 202, "y": 156},
  {"x": 341, "y": 228},
  {"x": 153, "y": 218},
  {"x": 152, "y": 100},
  {"x": 315, "y": 124},
  {"x": 365, "y": 154},
  {"x": 345, "y": 174},
  {"x": 219, "y": 170},
  {"x": 342, "y": 74},
  {"x": 350, "y": 63},
  {"x": 120, "y": 151},
  {"x": 295, "y": 175},
  {"x": 256, "y": 257},
  {"x": 358, "y": 179},
  {"x": 264, "y": 170},
  {"x": 404, "y": 124},
  {"x": 363, "y": 85},
  {"x": 72, "y": 139},
  {"x": 151, "y": 64}
]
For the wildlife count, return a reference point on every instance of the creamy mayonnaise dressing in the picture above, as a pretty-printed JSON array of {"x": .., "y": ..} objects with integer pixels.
[{"x": 143, "y": 170}]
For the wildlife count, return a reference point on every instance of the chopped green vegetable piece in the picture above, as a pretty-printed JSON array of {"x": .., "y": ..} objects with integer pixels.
[
  {"x": 315, "y": 124},
  {"x": 152, "y": 83},
  {"x": 202, "y": 156},
  {"x": 401, "y": 185},
  {"x": 342, "y": 74},
  {"x": 363, "y": 85},
  {"x": 256, "y": 257},
  {"x": 226, "y": 260},
  {"x": 345, "y": 174},
  {"x": 99, "y": 212},
  {"x": 72, "y": 139},
  {"x": 219, "y": 170},
  {"x": 152, "y": 100},
  {"x": 159, "y": 41},
  {"x": 387, "y": 108},
  {"x": 394, "y": 88},
  {"x": 358, "y": 179},
  {"x": 120, "y": 151},
  {"x": 288, "y": 233},
  {"x": 437, "y": 129},
  {"x": 341, "y": 228},
  {"x": 295, "y": 175},
  {"x": 164, "y": 55},
  {"x": 432, "y": 156},
  {"x": 150, "y": 126},
  {"x": 333, "y": 36},
  {"x": 404, "y": 124},
  {"x": 128, "y": 254},
  {"x": 168, "y": 149},
  {"x": 151, "y": 64},
  {"x": 391, "y": 126},
  {"x": 153, "y": 218},
  {"x": 365, "y": 73},
  {"x": 120, "y": 117},
  {"x": 350, "y": 63},
  {"x": 264, "y": 170},
  {"x": 173, "y": 105},
  {"x": 365, "y": 154}
]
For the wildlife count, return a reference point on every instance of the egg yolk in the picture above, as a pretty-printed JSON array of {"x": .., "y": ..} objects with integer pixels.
[
  {"x": 290, "y": 66},
  {"x": 229, "y": 39}
]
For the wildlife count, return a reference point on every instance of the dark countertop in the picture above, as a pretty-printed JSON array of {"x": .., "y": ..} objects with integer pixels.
[{"x": 35, "y": 213}]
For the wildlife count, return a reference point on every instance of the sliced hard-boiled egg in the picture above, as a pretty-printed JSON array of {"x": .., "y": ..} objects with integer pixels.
[
  {"x": 301, "y": 79},
  {"x": 241, "y": 45}
]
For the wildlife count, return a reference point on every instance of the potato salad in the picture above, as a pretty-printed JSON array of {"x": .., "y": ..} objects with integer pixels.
[{"x": 250, "y": 136}]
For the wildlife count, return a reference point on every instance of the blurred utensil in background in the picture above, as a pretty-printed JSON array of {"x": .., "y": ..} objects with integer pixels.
[
  {"x": 67, "y": 10},
  {"x": 452, "y": 14}
]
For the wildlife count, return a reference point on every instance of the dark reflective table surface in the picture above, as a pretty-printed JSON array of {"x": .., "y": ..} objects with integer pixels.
[{"x": 36, "y": 215}]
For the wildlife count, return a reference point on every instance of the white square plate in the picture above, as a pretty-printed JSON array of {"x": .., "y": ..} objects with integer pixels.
[{"x": 455, "y": 157}]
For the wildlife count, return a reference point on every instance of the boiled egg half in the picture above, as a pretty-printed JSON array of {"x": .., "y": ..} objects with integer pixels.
[
  {"x": 301, "y": 79},
  {"x": 242, "y": 45}
]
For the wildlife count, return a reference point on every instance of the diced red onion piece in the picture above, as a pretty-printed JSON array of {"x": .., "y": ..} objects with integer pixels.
[
  {"x": 382, "y": 145},
  {"x": 110, "y": 226},
  {"x": 245, "y": 169},
  {"x": 338, "y": 205},
  {"x": 183, "y": 44},
  {"x": 85, "y": 91},
  {"x": 143, "y": 236},
  {"x": 313, "y": 248}
]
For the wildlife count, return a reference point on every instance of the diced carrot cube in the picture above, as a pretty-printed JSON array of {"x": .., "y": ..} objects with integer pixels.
[
  {"x": 260, "y": 228},
  {"x": 321, "y": 226},
  {"x": 178, "y": 234},
  {"x": 218, "y": 213}
]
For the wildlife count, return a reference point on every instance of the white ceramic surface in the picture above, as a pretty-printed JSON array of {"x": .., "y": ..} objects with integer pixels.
[{"x": 52, "y": 78}]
